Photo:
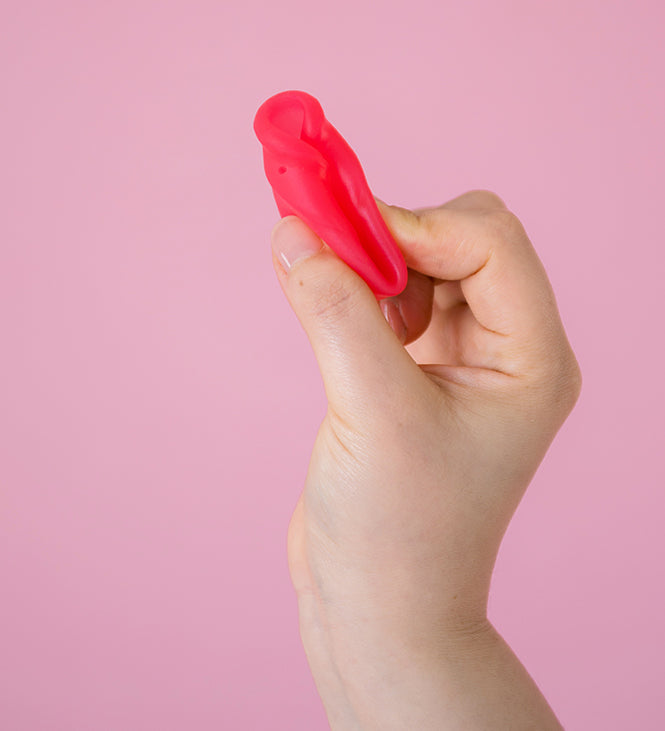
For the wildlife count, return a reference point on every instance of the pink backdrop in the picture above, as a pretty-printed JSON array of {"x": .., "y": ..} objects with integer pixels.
[{"x": 158, "y": 400}]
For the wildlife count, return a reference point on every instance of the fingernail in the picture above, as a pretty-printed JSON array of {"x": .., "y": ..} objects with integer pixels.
[
  {"x": 392, "y": 313},
  {"x": 292, "y": 241}
]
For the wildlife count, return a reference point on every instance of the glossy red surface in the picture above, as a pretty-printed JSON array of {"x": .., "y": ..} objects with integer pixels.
[{"x": 316, "y": 176}]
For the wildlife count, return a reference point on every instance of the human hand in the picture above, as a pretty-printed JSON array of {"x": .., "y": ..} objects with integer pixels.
[{"x": 425, "y": 450}]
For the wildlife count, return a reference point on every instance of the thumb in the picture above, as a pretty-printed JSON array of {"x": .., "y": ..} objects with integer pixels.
[{"x": 360, "y": 357}]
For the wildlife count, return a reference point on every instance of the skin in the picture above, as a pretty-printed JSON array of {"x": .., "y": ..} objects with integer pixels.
[{"x": 442, "y": 402}]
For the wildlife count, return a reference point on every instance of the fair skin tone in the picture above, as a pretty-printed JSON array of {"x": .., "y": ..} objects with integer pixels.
[{"x": 442, "y": 403}]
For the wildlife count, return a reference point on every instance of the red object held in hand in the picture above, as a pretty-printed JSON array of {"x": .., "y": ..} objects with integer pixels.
[{"x": 316, "y": 176}]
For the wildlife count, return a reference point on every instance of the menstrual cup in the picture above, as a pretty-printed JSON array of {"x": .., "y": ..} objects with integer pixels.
[{"x": 316, "y": 176}]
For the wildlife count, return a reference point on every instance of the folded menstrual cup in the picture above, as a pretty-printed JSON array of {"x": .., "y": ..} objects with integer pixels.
[{"x": 316, "y": 176}]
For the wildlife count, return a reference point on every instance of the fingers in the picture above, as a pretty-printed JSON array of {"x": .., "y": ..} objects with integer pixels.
[
  {"x": 409, "y": 312},
  {"x": 359, "y": 356},
  {"x": 478, "y": 242}
]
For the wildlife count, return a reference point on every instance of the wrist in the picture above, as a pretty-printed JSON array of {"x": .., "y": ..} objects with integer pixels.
[
  {"x": 373, "y": 679},
  {"x": 370, "y": 678},
  {"x": 376, "y": 671}
]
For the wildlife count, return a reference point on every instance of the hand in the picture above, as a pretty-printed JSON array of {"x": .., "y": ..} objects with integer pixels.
[{"x": 424, "y": 453}]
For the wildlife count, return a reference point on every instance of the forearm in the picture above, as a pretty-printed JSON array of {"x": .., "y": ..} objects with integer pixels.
[{"x": 370, "y": 678}]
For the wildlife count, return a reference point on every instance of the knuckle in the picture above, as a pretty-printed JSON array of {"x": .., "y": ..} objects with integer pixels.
[
  {"x": 563, "y": 383},
  {"x": 489, "y": 199},
  {"x": 573, "y": 381},
  {"x": 504, "y": 224}
]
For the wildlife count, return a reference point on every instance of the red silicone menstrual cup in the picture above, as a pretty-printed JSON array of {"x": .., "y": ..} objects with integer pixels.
[{"x": 316, "y": 176}]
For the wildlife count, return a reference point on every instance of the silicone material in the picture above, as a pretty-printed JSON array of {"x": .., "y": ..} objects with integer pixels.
[{"x": 316, "y": 176}]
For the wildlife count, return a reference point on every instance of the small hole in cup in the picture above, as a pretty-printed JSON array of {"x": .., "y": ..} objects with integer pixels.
[{"x": 281, "y": 169}]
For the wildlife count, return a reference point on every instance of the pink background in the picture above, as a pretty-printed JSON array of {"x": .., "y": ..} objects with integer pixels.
[{"x": 158, "y": 400}]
